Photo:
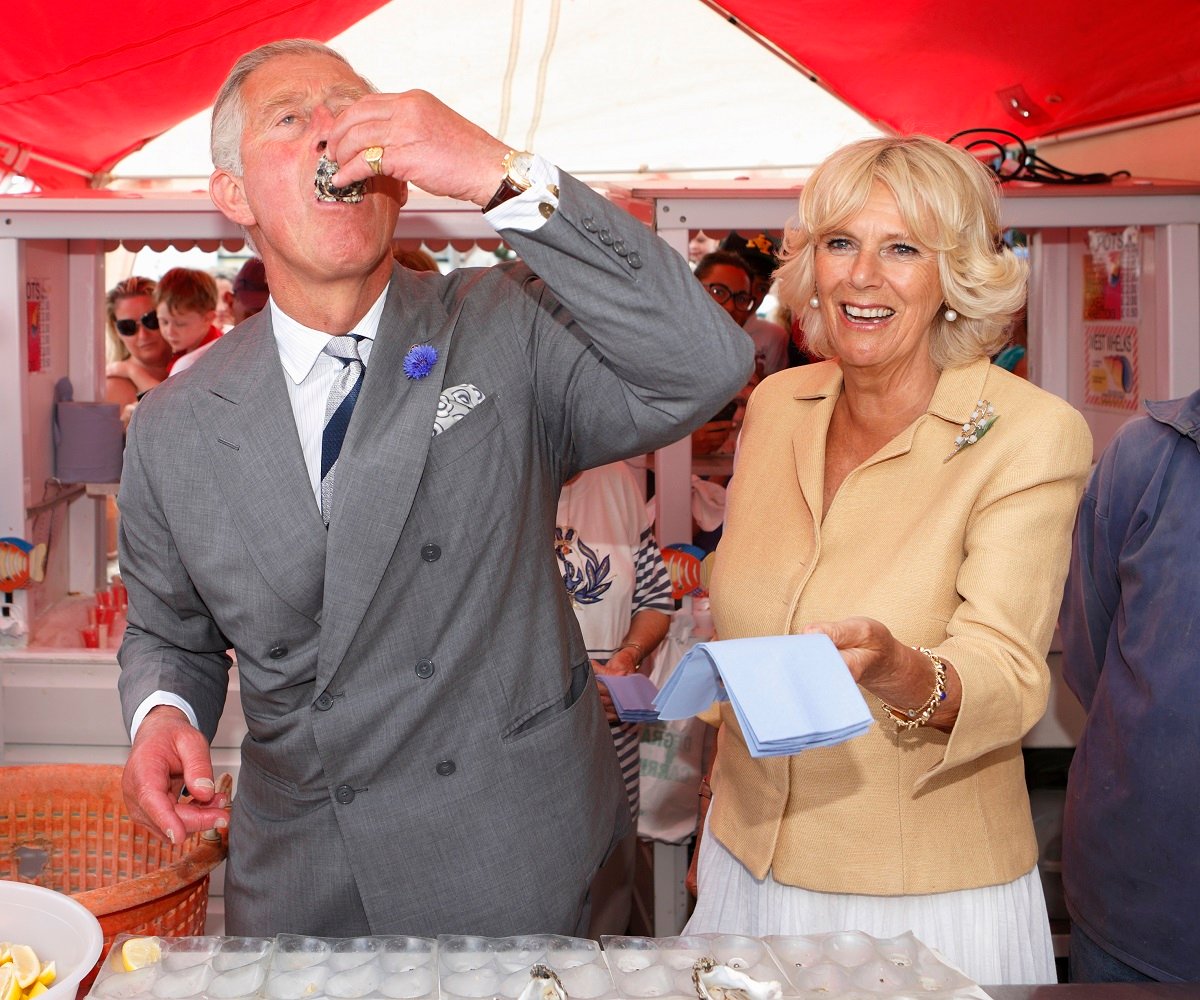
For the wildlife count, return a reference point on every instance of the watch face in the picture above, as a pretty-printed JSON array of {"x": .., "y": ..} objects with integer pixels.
[{"x": 519, "y": 167}]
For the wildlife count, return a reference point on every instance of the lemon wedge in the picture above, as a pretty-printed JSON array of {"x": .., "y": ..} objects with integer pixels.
[
  {"x": 137, "y": 953},
  {"x": 25, "y": 964},
  {"x": 47, "y": 976},
  {"x": 4, "y": 955},
  {"x": 10, "y": 989},
  {"x": 36, "y": 990}
]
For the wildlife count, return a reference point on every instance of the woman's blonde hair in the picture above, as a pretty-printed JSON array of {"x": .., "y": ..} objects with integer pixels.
[
  {"x": 949, "y": 202},
  {"x": 130, "y": 288}
]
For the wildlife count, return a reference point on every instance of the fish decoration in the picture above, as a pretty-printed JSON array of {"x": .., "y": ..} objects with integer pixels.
[{"x": 21, "y": 563}]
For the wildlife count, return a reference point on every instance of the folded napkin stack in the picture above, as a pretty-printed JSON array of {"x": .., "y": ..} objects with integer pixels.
[{"x": 789, "y": 692}]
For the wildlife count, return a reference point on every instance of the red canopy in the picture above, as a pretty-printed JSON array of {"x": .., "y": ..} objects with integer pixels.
[
  {"x": 84, "y": 84},
  {"x": 81, "y": 88},
  {"x": 1035, "y": 69}
]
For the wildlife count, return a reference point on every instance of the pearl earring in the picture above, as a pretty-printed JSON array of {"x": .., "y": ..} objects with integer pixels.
[
  {"x": 951, "y": 315},
  {"x": 814, "y": 302}
]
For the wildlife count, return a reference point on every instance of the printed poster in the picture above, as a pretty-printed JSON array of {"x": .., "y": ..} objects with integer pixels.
[
  {"x": 1111, "y": 366},
  {"x": 1112, "y": 274},
  {"x": 37, "y": 324}
]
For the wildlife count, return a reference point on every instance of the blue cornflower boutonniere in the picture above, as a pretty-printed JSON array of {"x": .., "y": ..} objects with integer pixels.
[
  {"x": 980, "y": 422},
  {"x": 419, "y": 360}
]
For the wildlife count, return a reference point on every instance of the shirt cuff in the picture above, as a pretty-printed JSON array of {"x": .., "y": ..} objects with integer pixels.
[
  {"x": 156, "y": 699},
  {"x": 525, "y": 211}
]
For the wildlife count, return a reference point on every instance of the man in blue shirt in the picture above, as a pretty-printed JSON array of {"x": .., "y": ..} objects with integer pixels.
[{"x": 1130, "y": 634}]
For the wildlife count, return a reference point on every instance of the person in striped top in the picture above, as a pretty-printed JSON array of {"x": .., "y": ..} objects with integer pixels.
[{"x": 615, "y": 577}]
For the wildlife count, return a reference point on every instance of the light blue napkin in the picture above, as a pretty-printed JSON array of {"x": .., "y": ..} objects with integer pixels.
[
  {"x": 789, "y": 692},
  {"x": 632, "y": 696}
]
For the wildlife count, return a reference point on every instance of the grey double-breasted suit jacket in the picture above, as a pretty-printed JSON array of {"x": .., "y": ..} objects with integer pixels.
[{"x": 426, "y": 751}]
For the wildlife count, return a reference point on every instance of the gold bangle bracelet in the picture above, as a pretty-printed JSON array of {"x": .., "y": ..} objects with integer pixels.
[
  {"x": 912, "y": 718},
  {"x": 641, "y": 650}
]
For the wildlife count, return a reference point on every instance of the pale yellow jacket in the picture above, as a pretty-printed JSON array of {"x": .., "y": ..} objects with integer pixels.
[{"x": 965, "y": 556}]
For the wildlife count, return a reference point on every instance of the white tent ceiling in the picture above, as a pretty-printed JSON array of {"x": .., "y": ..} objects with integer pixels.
[{"x": 605, "y": 88}]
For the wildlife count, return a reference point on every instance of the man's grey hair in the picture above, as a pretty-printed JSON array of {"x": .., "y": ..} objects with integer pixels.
[{"x": 229, "y": 110}]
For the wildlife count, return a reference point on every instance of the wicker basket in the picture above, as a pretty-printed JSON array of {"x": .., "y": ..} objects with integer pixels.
[{"x": 64, "y": 826}]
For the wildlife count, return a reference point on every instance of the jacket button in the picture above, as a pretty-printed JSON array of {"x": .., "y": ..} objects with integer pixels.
[
  {"x": 325, "y": 702},
  {"x": 635, "y": 260},
  {"x": 431, "y": 552},
  {"x": 605, "y": 237},
  {"x": 424, "y": 669},
  {"x": 445, "y": 768},
  {"x": 278, "y": 651},
  {"x": 546, "y": 209},
  {"x": 344, "y": 794},
  {"x": 619, "y": 248},
  {"x": 589, "y": 224}
]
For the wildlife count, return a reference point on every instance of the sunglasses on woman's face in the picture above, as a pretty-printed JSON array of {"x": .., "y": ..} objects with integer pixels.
[{"x": 128, "y": 327}]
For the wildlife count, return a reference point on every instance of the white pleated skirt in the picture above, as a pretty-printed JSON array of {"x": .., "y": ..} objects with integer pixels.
[{"x": 996, "y": 935}]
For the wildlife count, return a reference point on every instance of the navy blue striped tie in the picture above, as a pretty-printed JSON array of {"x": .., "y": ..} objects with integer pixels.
[{"x": 343, "y": 394}]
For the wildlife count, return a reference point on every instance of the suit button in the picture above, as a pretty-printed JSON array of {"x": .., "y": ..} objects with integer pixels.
[
  {"x": 344, "y": 794},
  {"x": 619, "y": 248},
  {"x": 431, "y": 552},
  {"x": 278, "y": 651},
  {"x": 546, "y": 209},
  {"x": 635, "y": 260},
  {"x": 445, "y": 768},
  {"x": 605, "y": 237},
  {"x": 424, "y": 669},
  {"x": 325, "y": 702},
  {"x": 589, "y": 224}
]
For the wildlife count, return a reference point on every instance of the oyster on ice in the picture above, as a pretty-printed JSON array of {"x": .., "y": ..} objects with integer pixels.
[
  {"x": 544, "y": 984},
  {"x": 720, "y": 982}
]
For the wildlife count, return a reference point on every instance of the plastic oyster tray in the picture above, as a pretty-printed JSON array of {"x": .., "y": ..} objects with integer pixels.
[
  {"x": 845, "y": 964},
  {"x": 662, "y": 967},
  {"x": 288, "y": 967},
  {"x": 854, "y": 964},
  {"x": 480, "y": 968}
]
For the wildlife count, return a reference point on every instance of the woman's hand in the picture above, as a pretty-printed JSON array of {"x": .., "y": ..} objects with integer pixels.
[
  {"x": 896, "y": 674},
  {"x": 621, "y": 664}
]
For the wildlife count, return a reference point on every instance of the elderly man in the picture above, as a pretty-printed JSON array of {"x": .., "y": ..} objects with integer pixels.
[{"x": 426, "y": 749}]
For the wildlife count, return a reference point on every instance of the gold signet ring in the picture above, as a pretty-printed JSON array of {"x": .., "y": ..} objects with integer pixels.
[{"x": 374, "y": 157}]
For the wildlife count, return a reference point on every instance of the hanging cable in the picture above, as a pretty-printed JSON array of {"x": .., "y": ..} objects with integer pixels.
[
  {"x": 543, "y": 66},
  {"x": 1021, "y": 164},
  {"x": 510, "y": 68}
]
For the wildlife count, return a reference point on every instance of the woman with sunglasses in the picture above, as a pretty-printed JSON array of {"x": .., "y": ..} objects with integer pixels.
[{"x": 142, "y": 356}]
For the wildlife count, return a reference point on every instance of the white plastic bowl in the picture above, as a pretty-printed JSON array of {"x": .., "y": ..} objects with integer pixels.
[{"x": 56, "y": 927}]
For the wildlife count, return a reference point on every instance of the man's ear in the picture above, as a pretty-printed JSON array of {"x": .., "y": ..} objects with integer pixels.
[{"x": 229, "y": 195}]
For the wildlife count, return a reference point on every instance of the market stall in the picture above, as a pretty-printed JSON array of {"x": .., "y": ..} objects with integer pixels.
[{"x": 57, "y": 700}]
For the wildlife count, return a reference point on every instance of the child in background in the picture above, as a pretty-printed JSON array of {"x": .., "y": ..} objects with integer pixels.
[{"x": 186, "y": 303}]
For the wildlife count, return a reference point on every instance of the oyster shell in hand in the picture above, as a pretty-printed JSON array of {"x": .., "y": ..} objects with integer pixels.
[{"x": 326, "y": 168}]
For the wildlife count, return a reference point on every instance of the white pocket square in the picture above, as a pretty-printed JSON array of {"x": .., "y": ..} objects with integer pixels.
[{"x": 454, "y": 404}]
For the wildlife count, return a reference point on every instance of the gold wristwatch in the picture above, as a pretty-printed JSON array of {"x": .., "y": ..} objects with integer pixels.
[{"x": 516, "y": 165}]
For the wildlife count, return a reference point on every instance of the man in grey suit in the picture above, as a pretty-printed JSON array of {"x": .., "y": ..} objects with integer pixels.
[{"x": 426, "y": 751}]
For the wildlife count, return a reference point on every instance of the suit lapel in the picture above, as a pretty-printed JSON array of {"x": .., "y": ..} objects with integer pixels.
[
  {"x": 381, "y": 462},
  {"x": 245, "y": 416}
]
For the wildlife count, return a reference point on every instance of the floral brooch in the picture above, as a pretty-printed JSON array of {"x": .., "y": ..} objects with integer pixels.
[
  {"x": 419, "y": 360},
  {"x": 980, "y": 422}
]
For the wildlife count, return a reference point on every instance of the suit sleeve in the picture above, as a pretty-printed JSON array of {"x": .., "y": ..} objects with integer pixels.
[
  {"x": 171, "y": 642},
  {"x": 629, "y": 352}
]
